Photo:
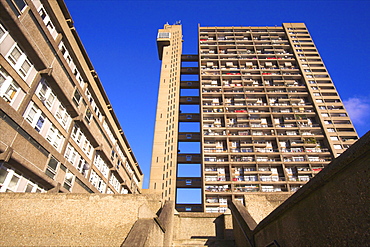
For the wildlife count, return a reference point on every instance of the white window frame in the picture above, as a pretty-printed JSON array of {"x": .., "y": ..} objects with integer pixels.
[
  {"x": 97, "y": 182},
  {"x": 81, "y": 140},
  {"x": 4, "y": 31},
  {"x": 69, "y": 180},
  {"x": 77, "y": 101},
  {"x": 72, "y": 155},
  {"x": 9, "y": 177},
  {"x": 54, "y": 137},
  {"x": 18, "y": 62},
  {"x": 62, "y": 116},
  {"x": 101, "y": 165},
  {"x": 115, "y": 183},
  {"x": 337, "y": 146},
  {"x": 34, "y": 120},
  {"x": 8, "y": 85},
  {"x": 45, "y": 93},
  {"x": 82, "y": 166},
  {"x": 47, "y": 21}
]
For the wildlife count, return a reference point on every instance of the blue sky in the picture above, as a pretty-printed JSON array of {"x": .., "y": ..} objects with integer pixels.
[{"x": 120, "y": 39}]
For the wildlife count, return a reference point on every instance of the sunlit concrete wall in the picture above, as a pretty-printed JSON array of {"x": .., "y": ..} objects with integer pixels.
[
  {"x": 34, "y": 219},
  {"x": 331, "y": 210}
]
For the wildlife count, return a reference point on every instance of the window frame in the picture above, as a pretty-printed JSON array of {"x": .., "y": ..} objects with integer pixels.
[{"x": 18, "y": 62}]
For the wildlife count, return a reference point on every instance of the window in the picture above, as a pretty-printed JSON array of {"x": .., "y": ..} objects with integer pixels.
[
  {"x": 20, "y": 4},
  {"x": 89, "y": 97},
  {"x": 337, "y": 146},
  {"x": 68, "y": 180},
  {"x": 71, "y": 154},
  {"x": 88, "y": 115},
  {"x": 101, "y": 165},
  {"x": 115, "y": 183},
  {"x": 79, "y": 137},
  {"x": 13, "y": 184},
  {"x": 51, "y": 169},
  {"x": 45, "y": 17},
  {"x": 40, "y": 122},
  {"x": 62, "y": 116},
  {"x": 334, "y": 138},
  {"x": 3, "y": 32},
  {"x": 19, "y": 61},
  {"x": 11, "y": 181},
  {"x": 113, "y": 155},
  {"x": 54, "y": 137},
  {"x": 26, "y": 66},
  {"x": 52, "y": 103},
  {"x": 77, "y": 97},
  {"x": 67, "y": 56},
  {"x": 109, "y": 132},
  {"x": 82, "y": 166},
  {"x": 97, "y": 182},
  {"x": 15, "y": 55},
  {"x": 50, "y": 100},
  {"x": 35, "y": 117},
  {"x": 8, "y": 88},
  {"x": 3, "y": 174},
  {"x": 163, "y": 35}
]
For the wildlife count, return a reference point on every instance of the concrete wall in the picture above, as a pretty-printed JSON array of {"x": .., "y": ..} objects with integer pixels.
[
  {"x": 145, "y": 232},
  {"x": 330, "y": 210},
  {"x": 153, "y": 232},
  {"x": 30, "y": 219},
  {"x": 191, "y": 225},
  {"x": 259, "y": 205}
]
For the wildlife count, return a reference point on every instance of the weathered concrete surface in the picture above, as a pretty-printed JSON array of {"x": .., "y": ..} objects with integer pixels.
[
  {"x": 243, "y": 224},
  {"x": 330, "y": 210},
  {"x": 166, "y": 219},
  {"x": 211, "y": 229},
  {"x": 192, "y": 225},
  {"x": 145, "y": 232},
  {"x": 34, "y": 219},
  {"x": 153, "y": 231},
  {"x": 259, "y": 205}
]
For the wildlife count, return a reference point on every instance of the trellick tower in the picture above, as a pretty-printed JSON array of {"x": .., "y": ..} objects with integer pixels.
[{"x": 270, "y": 117}]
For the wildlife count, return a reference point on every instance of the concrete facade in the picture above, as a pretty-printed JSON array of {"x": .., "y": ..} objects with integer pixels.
[
  {"x": 270, "y": 118},
  {"x": 164, "y": 150},
  {"x": 57, "y": 126},
  {"x": 197, "y": 229},
  {"x": 30, "y": 219}
]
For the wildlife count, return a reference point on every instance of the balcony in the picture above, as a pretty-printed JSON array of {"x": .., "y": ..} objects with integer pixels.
[
  {"x": 246, "y": 188},
  {"x": 217, "y": 188}
]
